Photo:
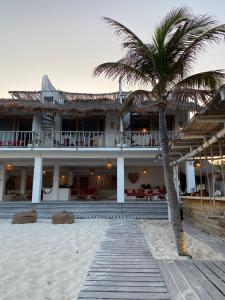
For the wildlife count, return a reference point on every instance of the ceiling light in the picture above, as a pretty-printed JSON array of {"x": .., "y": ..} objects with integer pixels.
[
  {"x": 109, "y": 165},
  {"x": 9, "y": 166}
]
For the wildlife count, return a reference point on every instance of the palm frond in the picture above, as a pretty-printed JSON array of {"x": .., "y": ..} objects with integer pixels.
[
  {"x": 200, "y": 97},
  {"x": 196, "y": 42},
  {"x": 184, "y": 33},
  {"x": 174, "y": 18},
  {"x": 130, "y": 40},
  {"x": 210, "y": 80},
  {"x": 162, "y": 34},
  {"x": 133, "y": 98},
  {"x": 133, "y": 59},
  {"x": 115, "y": 70}
]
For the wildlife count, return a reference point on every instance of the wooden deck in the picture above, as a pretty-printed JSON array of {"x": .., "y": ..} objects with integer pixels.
[
  {"x": 218, "y": 244},
  {"x": 123, "y": 267},
  {"x": 194, "y": 280}
]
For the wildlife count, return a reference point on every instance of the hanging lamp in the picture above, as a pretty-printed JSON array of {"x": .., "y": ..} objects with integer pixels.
[
  {"x": 109, "y": 165},
  {"x": 145, "y": 171},
  {"x": 9, "y": 166}
]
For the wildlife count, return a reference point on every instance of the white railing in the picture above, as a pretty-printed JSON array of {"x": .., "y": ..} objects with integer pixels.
[{"x": 63, "y": 139}]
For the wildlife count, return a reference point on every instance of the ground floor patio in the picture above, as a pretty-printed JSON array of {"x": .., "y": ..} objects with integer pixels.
[{"x": 81, "y": 179}]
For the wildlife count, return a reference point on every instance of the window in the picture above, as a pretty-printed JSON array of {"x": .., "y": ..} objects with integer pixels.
[
  {"x": 84, "y": 124},
  {"x": 68, "y": 125},
  {"x": 48, "y": 99},
  {"x": 6, "y": 125},
  {"x": 13, "y": 183}
]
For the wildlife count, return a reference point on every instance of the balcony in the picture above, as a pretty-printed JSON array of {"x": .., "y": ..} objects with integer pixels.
[{"x": 81, "y": 139}]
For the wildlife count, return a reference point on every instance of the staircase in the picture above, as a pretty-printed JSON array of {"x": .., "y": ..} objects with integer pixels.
[
  {"x": 90, "y": 209},
  {"x": 47, "y": 122}
]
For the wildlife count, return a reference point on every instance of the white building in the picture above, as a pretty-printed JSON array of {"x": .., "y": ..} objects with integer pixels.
[{"x": 57, "y": 145}]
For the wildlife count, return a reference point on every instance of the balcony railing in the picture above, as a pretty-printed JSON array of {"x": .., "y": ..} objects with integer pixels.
[{"x": 77, "y": 139}]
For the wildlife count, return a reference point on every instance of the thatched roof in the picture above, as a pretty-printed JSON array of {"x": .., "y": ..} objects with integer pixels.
[
  {"x": 73, "y": 103},
  {"x": 67, "y": 96},
  {"x": 70, "y": 107},
  {"x": 148, "y": 106},
  {"x": 82, "y": 103}
]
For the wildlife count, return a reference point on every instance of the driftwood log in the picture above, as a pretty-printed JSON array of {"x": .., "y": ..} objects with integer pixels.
[
  {"x": 25, "y": 217},
  {"x": 63, "y": 217}
]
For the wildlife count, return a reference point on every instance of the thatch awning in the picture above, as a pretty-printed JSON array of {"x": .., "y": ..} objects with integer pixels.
[
  {"x": 68, "y": 108},
  {"x": 84, "y": 103},
  {"x": 67, "y": 96}
]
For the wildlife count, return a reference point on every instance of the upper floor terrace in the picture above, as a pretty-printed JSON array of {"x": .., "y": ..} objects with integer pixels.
[
  {"x": 50, "y": 118},
  {"x": 82, "y": 139}
]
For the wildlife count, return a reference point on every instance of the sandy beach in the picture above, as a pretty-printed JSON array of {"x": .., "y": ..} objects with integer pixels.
[
  {"x": 46, "y": 262},
  {"x": 159, "y": 235},
  {"x": 42, "y": 261}
]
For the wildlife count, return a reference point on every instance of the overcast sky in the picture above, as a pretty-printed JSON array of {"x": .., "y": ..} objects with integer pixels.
[{"x": 66, "y": 39}]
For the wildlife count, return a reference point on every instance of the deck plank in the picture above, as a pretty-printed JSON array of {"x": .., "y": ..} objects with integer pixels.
[
  {"x": 205, "y": 282},
  {"x": 123, "y": 267},
  {"x": 211, "y": 276},
  {"x": 195, "y": 284}
]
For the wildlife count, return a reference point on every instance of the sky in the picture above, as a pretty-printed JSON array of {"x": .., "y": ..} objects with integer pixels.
[{"x": 66, "y": 39}]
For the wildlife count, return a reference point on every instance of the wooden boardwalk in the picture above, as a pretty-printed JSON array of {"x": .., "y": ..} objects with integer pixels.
[
  {"x": 194, "y": 280},
  {"x": 123, "y": 267}
]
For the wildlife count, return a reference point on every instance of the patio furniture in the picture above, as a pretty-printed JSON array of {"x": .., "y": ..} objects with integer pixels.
[
  {"x": 78, "y": 194},
  {"x": 130, "y": 192},
  {"x": 91, "y": 193},
  {"x": 140, "y": 194}
]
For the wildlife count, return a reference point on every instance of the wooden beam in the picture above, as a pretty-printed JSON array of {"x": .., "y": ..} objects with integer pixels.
[
  {"x": 193, "y": 136},
  {"x": 213, "y": 119},
  {"x": 182, "y": 146}
]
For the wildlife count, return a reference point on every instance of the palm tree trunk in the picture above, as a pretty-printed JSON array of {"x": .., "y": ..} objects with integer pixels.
[{"x": 170, "y": 187}]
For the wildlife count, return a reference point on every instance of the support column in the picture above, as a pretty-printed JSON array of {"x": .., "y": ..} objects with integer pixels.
[
  {"x": 37, "y": 180},
  {"x": 58, "y": 122},
  {"x": 176, "y": 179},
  {"x": 2, "y": 182},
  {"x": 36, "y": 122},
  {"x": 23, "y": 182},
  {"x": 70, "y": 178},
  {"x": 120, "y": 179},
  {"x": 55, "y": 184},
  {"x": 190, "y": 177}
]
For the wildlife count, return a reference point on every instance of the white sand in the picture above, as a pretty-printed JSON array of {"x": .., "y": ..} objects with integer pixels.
[
  {"x": 50, "y": 262},
  {"x": 44, "y": 261},
  {"x": 159, "y": 235}
]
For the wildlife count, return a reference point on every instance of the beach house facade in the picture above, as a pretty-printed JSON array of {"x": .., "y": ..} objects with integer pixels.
[{"x": 58, "y": 145}]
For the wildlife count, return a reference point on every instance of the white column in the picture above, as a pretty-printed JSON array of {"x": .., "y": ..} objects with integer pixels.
[
  {"x": 37, "y": 180},
  {"x": 2, "y": 182},
  {"x": 190, "y": 176},
  {"x": 70, "y": 178},
  {"x": 23, "y": 181},
  {"x": 58, "y": 122},
  {"x": 36, "y": 122},
  {"x": 55, "y": 186},
  {"x": 176, "y": 179},
  {"x": 120, "y": 179}
]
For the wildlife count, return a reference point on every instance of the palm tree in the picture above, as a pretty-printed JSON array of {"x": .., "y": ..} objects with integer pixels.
[{"x": 164, "y": 65}]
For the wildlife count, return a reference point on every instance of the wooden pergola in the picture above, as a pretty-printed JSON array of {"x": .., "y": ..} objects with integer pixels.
[{"x": 204, "y": 126}]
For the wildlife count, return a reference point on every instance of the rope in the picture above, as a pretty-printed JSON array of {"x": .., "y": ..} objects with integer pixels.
[
  {"x": 207, "y": 174},
  {"x": 221, "y": 160},
  {"x": 200, "y": 173},
  {"x": 213, "y": 182}
]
